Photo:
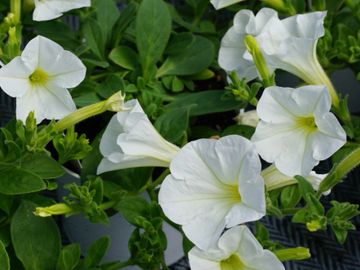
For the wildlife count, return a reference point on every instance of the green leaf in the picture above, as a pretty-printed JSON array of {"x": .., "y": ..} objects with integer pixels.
[
  {"x": 304, "y": 186},
  {"x": 153, "y": 27},
  {"x": 173, "y": 124},
  {"x": 69, "y": 257},
  {"x": 132, "y": 207},
  {"x": 124, "y": 57},
  {"x": 189, "y": 60},
  {"x": 42, "y": 165},
  {"x": 96, "y": 252},
  {"x": 94, "y": 37},
  {"x": 290, "y": 196},
  {"x": 127, "y": 16},
  {"x": 36, "y": 240},
  {"x": 204, "y": 102},
  {"x": 107, "y": 14},
  {"x": 14, "y": 180},
  {"x": 4, "y": 258},
  {"x": 242, "y": 130}
]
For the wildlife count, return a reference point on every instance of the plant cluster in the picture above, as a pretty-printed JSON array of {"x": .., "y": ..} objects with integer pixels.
[{"x": 177, "y": 100}]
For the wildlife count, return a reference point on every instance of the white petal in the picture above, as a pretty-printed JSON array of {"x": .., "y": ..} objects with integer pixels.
[
  {"x": 199, "y": 261},
  {"x": 202, "y": 193},
  {"x": 52, "y": 9},
  {"x": 44, "y": 12},
  {"x": 223, "y": 3},
  {"x": 14, "y": 78},
  {"x": 63, "y": 67},
  {"x": 141, "y": 138},
  {"x": 267, "y": 261},
  {"x": 130, "y": 140},
  {"x": 48, "y": 102},
  {"x": 310, "y": 25},
  {"x": 108, "y": 143},
  {"x": 67, "y": 71},
  {"x": 288, "y": 148},
  {"x": 236, "y": 241},
  {"x": 201, "y": 211},
  {"x": 123, "y": 161},
  {"x": 325, "y": 145},
  {"x": 283, "y": 105}
]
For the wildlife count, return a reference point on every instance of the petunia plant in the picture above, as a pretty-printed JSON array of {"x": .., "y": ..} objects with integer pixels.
[{"x": 209, "y": 117}]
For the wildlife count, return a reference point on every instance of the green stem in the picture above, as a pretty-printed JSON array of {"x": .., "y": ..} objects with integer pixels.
[
  {"x": 340, "y": 170},
  {"x": 160, "y": 179},
  {"x": 15, "y": 8}
]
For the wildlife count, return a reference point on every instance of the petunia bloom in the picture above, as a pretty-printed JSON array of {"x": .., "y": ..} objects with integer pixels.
[
  {"x": 288, "y": 44},
  {"x": 51, "y": 9},
  {"x": 39, "y": 79},
  {"x": 130, "y": 140},
  {"x": 236, "y": 249},
  {"x": 218, "y": 4},
  {"x": 213, "y": 185},
  {"x": 296, "y": 128}
]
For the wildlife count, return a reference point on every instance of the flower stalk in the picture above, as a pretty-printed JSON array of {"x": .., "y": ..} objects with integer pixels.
[
  {"x": 254, "y": 49},
  {"x": 340, "y": 170},
  {"x": 15, "y": 8},
  {"x": 115, "y": 103}
]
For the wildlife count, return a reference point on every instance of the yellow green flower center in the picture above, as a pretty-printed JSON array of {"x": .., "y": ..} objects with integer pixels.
[
  {"x": 39, "y": 76},
  {"x": 234, "y": 262},
  {"x": 307, "y": 123}
]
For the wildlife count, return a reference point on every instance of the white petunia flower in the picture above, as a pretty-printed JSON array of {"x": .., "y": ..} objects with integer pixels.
[
  {"x": 297, "y": 129},
  {"x": 288, "y": 44},
  {"x": 237, "y": 249},
  {"x": 218, "y": 4},
  {"x": 51, "y": 9},
  {"x": 214, "y": 184},
  {"x": 39, "y": 79},
  {"x": 130, "y": 140}
]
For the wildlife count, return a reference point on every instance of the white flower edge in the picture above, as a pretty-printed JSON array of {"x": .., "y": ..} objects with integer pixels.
[
  {"x": 237, "y": 248},
  {"x": 213, "y": 185},
  {"x": 218, "y": 4},
  {"x": 51, "y": 9},
  {"x": 58, "y": 70},
  {"x": 296, "y": 128},
  {"x": 130, "y": 140}
]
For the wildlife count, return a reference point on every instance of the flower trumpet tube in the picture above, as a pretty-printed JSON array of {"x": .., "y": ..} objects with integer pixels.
[
  {"x": 288, "y": 44},
  {"x": 274, "y": 179},
  {"x": 213, "y": 185},
  {"x": 115, "y": 103},
  {"x": 130, "y": 140},
  {"x": 296, "y": 128}
]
